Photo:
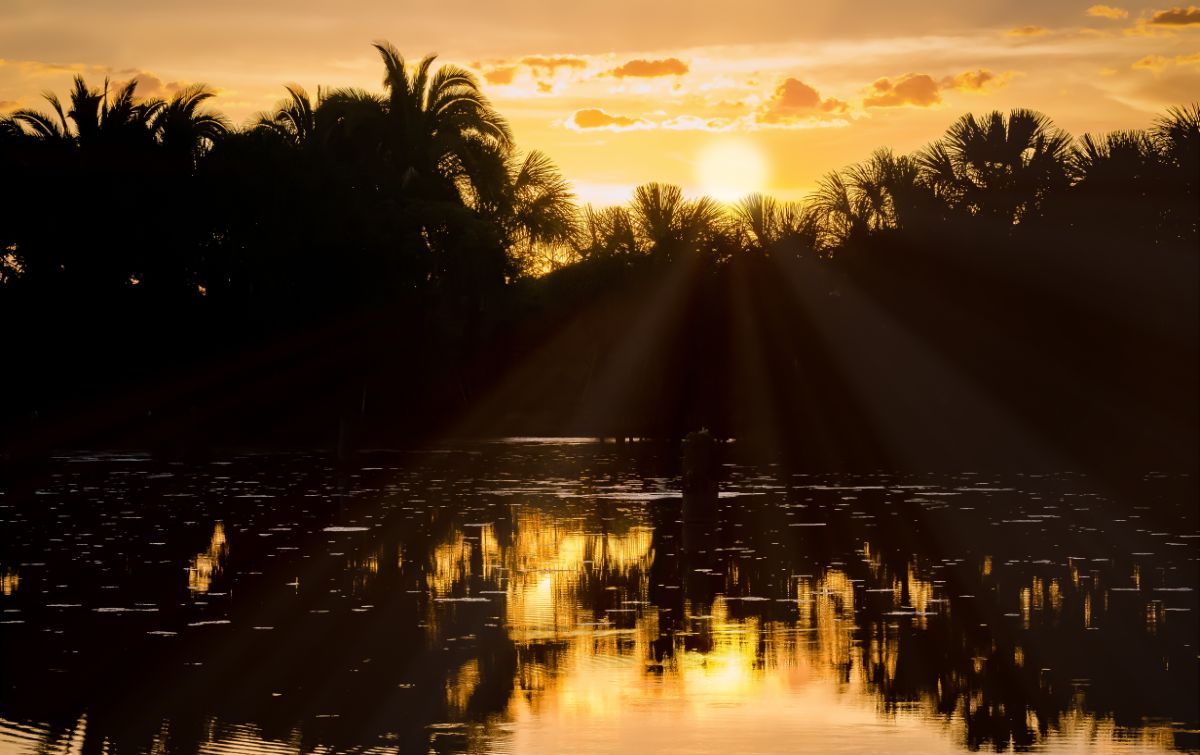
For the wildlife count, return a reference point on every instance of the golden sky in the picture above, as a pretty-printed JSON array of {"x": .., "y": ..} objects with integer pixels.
[{"x": 718, "y": 97}]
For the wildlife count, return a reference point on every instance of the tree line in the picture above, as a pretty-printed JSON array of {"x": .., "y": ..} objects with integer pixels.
[{"x": 143, "y": 238}]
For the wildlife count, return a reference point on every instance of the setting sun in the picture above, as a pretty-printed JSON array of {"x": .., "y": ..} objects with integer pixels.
[
  {"x": 729, "y": 170},
  {"x": 603, "y": 378}
]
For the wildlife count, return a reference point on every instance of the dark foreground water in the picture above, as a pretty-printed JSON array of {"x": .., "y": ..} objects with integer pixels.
[{"x": 546, "y": 597}]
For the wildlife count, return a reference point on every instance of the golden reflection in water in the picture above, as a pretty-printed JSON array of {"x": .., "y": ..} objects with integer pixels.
[
  {"x": 364, "y": 569},
  {"x": 452, "y": 560},
  {"x": 827, "y": 607},
  {"x": 208, "y": 563},
  {"x": 549, "y": 564},
  {"x": 460, "y": 685},
  {"x": 9, "y": 582},
  {"x": 588, "y": 681}
]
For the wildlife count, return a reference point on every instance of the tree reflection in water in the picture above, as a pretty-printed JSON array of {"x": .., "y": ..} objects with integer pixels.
[{"x": 536, "y": 596}]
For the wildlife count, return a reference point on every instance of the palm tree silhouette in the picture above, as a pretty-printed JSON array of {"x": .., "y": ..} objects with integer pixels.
[
  {"x": 605, "y": 233},
  {"x": 95, "y": 117},
  {"x": 534, "y": 207},
  {"x": 184, "y": 127},
  {"x": 294, "y": 118},
  {"x": 442, "y": 134},
  {"x": 999, "y": 167},
  {"x": 770, "y": 227},
  {"x": 667, "y": 225},
  {"x": 844, "y": 209},
  {"x": 44, "y": 127}
]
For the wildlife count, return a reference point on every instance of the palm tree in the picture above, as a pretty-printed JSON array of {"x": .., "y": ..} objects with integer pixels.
[
  {"x": 892, "y": 189},
  {"x": 442, "y": 133},
  {"x": 844, "y": 210},
  {"x": 126, "y": 120},
  {"x": 756, "y": 216},
  {"x": 535, "y": 211},
  {"x": 44, "y": 127},
  {"x": 294, "y": 118},
  {"x": 667, "y": 225},
  {"x": 999, "y": 167},
  {"x": 799, "y": 231},
  {"x": 1177, "y": 135},
  {"x": 184, "y": 127},
  {"x": 1115, "y": 158},
  {"x": 770, "y": 227},
  {"x": 605, "y": 233},
  {"x": 94, "y": 117}
]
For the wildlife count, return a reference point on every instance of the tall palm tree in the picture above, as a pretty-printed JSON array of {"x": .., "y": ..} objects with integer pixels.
[
  {"x": 535, "y": 211},
  {"x": 442, "y": 133},
  {"x": 997, "y": 166}
]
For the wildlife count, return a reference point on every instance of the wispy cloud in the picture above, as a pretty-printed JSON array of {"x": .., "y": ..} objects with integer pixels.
[
  {"x": 500, "y": 75},
  {"x": 1158, "y": 63},
  {"x": 552, "y": 64},
  {"x": 1107, "y": 11},
  {"x": 1177, "y": 16},
  {"x": 651, "y": 68},
  {"x": 978, "y": 81},
  {"x": 596, "y": 119}
]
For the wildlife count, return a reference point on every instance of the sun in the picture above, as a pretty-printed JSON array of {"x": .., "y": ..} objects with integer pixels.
[{"x": 730, "y": 169}]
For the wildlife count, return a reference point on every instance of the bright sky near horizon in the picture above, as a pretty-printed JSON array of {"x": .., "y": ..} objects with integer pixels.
[{"x": 718, "y": 97}]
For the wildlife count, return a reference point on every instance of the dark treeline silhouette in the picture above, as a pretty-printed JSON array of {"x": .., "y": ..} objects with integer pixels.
[{"x": 370, "y": 268}]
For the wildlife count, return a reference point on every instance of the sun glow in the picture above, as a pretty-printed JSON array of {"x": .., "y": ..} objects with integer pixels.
[{"x": 730, "y": 169}]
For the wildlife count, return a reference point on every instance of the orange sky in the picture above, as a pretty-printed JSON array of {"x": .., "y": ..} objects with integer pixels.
[{"x": 762, "y": 92}]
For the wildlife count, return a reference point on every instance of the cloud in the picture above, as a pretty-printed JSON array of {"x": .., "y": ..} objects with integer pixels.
[
  {"x": 978, "y": 81},
  {"x": 793, "y": 100},
  {"x": 910, "y": 89},
  {"x": 1107, "y": 11},
  {"x": 1151, "y": 63},
  {"x": 1159, "y": 63},
  {"x": 696, "y": 123},
  {"x": 552, "y": 64},
  {"x": 1028, "y": 31},
  {"x": 1177, "y": 16},
  {"x": 148, "y": 85},
  {"x": 595, "y": 119},
  {"x": 41, "y": 68},
  {"x": 649, "y": 68},
  {"x": 500, "y": 76}
]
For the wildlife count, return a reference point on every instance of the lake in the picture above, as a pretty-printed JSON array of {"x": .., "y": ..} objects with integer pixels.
[{"x": 547, "y": 596}]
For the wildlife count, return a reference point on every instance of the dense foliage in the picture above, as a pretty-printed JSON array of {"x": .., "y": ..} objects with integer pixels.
[{"x": 160, "y": 263}]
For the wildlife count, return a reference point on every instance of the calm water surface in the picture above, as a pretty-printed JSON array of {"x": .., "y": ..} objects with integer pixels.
[{"x": 548, "y": 597}]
